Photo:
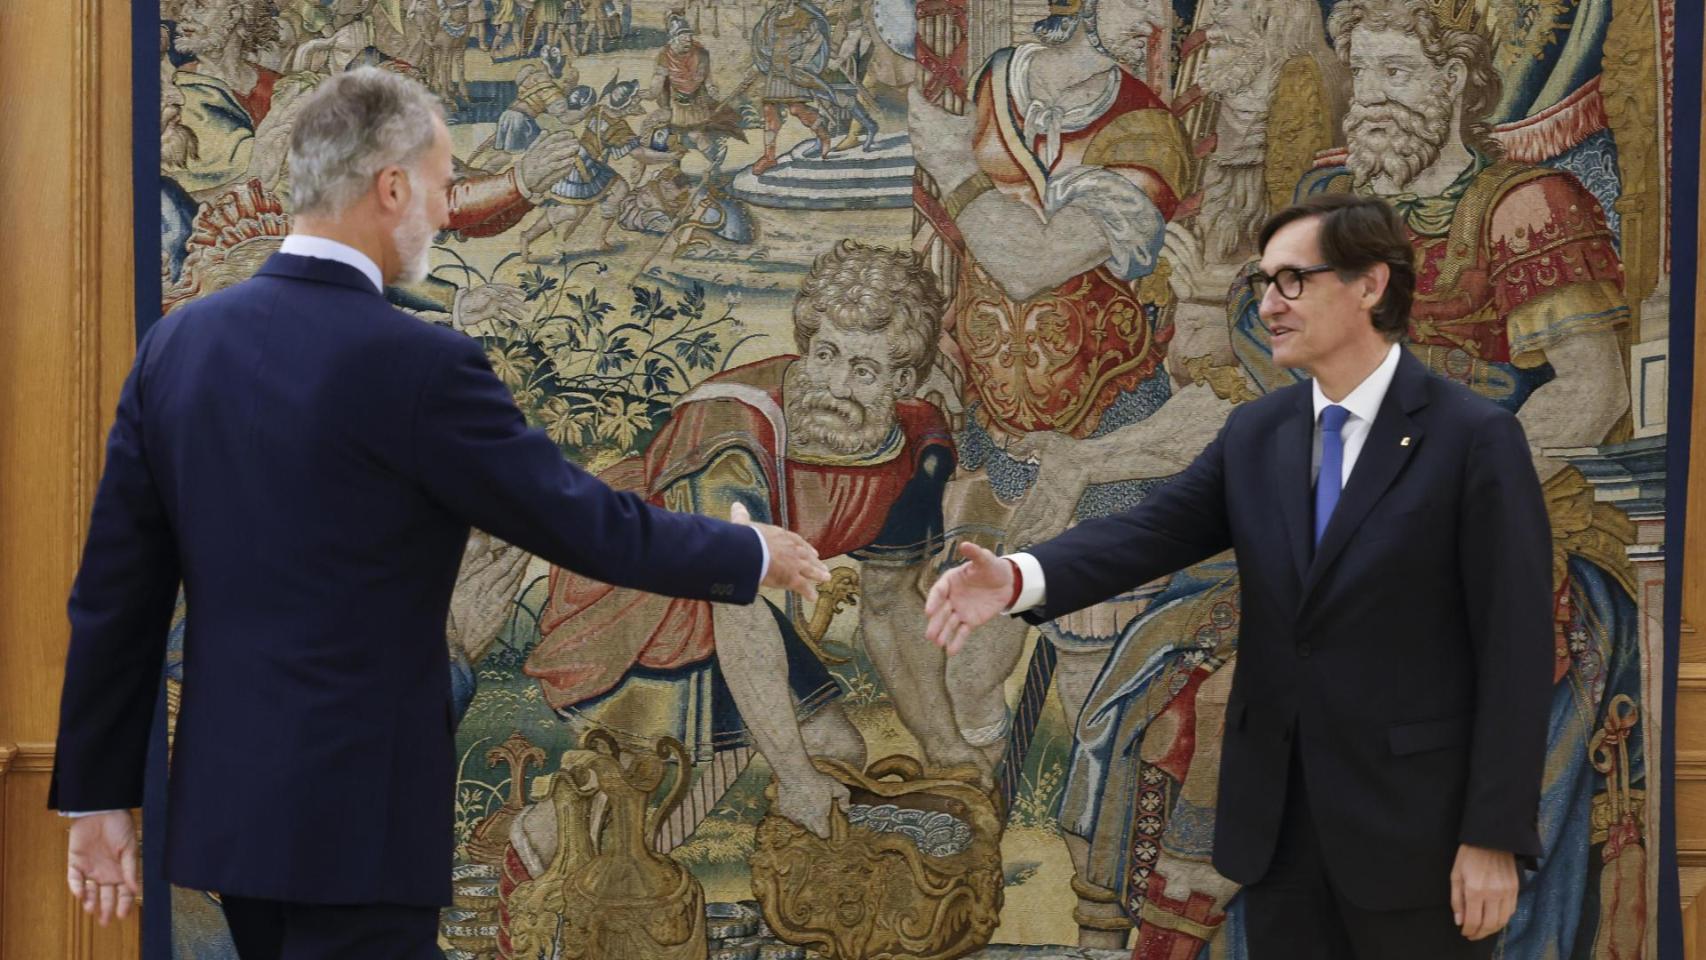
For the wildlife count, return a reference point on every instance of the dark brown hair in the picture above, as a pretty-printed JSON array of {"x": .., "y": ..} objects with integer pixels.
[{"x": 1357, "y": 233}]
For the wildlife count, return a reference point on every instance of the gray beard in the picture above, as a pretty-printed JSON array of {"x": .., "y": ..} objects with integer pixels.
[
  {"x": 207, "y": 39},
  {"x": 1057, "y": 38},
  {"x": 843, "y": 427},
  {"x": 1411, "y": 145},
  {"x": 413, "y": 239},
  {"x": 1235, "y": 204},
  {"x": 1233, "y": 70},
  {"x": 416, "y": 268}
]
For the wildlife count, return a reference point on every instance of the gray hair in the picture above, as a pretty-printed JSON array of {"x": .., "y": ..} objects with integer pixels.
[
  {"x": 354, "y": 125},
  {"x": 870, "y": 288},
  {"x": 1442, "y": 44}
]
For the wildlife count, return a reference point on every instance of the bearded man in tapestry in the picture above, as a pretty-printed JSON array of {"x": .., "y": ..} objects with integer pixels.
[
  {"x": 829, "y": 443},
  {"x": 220, "y": 97}
]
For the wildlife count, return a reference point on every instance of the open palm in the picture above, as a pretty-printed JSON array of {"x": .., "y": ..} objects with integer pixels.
[
  {"x": 101, "y": 868},
  {"x": 967, "y": 597}
]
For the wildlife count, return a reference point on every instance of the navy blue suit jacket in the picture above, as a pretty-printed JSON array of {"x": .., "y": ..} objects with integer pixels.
[
  {"x": 1409, "y": 657},
  {"x": 308, "y": 460}
]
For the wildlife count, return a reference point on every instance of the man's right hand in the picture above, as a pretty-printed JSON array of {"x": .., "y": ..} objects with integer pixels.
[
  {"x": 101, "y": 867},
  {"x": 793, "y": 562},
  {"x": 967, "y": 597}
]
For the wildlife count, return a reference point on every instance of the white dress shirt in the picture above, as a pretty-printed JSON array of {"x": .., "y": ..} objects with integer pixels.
[{"x": 1363, "y": 404}]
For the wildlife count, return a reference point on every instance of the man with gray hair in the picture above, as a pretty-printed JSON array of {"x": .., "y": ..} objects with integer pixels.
[{"x": 307, "y": 461}]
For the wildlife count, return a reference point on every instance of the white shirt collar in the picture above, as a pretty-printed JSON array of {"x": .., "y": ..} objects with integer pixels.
[
  {"x": 320, "y": 248},
  {"x": 1364, "y": 401}
]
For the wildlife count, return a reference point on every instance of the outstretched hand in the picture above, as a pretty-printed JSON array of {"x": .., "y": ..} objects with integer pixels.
[
  {"x": 967, "y": 597},
  {"x": 793, "y": 562}
]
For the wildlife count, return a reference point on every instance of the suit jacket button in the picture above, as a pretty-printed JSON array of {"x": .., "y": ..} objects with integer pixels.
[{"x": 1303, "y": 649}]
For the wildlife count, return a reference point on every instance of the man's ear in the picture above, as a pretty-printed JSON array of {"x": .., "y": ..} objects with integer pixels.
[
  {"x": 1374, "y": 284},
  {"x": 1456, "y": 77},
  {"x": 393, "y": 189},
  {"x": 907, "y": 381}
]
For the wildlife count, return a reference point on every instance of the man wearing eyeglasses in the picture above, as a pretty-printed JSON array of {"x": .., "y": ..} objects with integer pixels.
[{"x": 1385, "y": 733}]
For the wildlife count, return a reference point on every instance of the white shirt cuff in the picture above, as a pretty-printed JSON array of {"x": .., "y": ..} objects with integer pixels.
[
  {"x": 1031, "y": 593},
  {"x": 764, "y": 549},
  {"x": 85, "y": 813}
]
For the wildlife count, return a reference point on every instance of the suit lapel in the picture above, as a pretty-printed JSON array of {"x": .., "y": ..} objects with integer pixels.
[
  {"x": 1296, "y": 437},
  {"x": 1390, "y": 444}
]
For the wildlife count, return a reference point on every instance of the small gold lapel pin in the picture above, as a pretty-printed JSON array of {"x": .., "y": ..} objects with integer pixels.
[{"x": 1404, "y": 442}]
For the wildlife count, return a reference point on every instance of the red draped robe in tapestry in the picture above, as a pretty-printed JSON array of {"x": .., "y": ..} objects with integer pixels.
[{"x": 725, "y": 442}]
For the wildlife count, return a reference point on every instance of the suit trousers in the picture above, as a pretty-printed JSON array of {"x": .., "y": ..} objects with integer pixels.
[
  {"x": 1295, "y": 912},
  {"x": 279, "y": 930}
]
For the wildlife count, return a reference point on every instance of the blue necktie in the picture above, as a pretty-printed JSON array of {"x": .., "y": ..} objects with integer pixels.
[{"x": 1331, "y": 478}]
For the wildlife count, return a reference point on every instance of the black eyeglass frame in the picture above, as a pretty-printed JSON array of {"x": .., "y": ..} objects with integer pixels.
[{"x": 1256, "y": 276}]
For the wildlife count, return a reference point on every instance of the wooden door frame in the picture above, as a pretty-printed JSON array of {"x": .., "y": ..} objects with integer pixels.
[{"x": 67, "y": 335}]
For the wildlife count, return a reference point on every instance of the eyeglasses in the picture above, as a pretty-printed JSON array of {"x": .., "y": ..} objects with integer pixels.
[{"x": 1289, "y": 280}]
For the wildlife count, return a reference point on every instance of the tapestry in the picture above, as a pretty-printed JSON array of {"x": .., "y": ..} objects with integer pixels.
[{"x": 1050, "y": 207}]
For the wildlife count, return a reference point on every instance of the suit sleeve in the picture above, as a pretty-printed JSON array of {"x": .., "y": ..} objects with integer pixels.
[
  {"x": 477, "y": 456},
  {"x": 1176, "y": 526},
  {"x": 120, "y": 611},
  {"x": 1505, "y": 558}
]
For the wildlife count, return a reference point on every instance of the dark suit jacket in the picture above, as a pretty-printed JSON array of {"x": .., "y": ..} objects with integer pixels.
[
  {"x": 308, "y": 460},
  {"x": 1410, "y": 656}
]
